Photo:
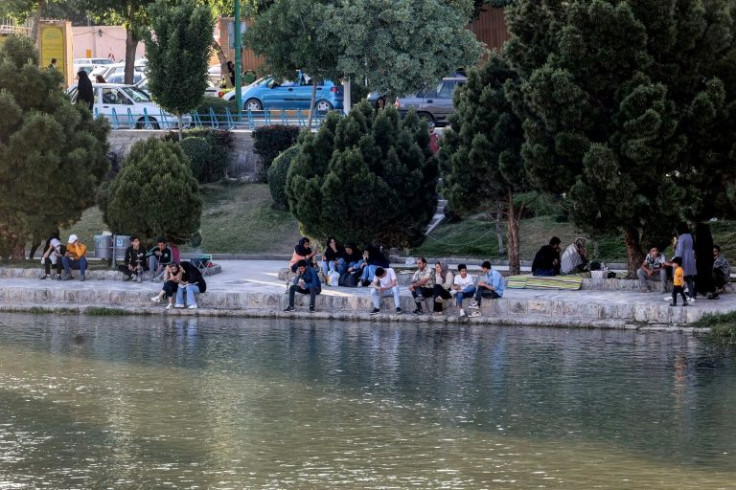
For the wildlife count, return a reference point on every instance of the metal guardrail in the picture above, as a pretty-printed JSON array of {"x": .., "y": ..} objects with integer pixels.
[{"x": 249, "y": 120}]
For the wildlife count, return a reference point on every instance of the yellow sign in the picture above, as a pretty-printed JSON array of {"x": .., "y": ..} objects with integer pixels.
[{"x": 52, "y": 45}]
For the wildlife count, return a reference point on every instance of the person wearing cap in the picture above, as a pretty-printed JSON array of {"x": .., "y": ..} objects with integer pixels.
[
  {"x": 74, "y": 258},
  {"x": 52, "y": 255},
  {"x": 490, "y": 285},
  {"x": 85, "y": 92},
  {"x": 305, "y": 282},
  {"x": 160, "y": 257}
]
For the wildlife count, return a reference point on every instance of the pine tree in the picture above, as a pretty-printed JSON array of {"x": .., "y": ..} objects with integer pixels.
[
  {"x": 178, "y": 50},
  {"x": 366, "y": 176},
  {"x": 628, "y": 113},
  {"x": 155, "y": 194},
  {"x": 52, "y": 153},
  {"x": 481, "y": 150}
]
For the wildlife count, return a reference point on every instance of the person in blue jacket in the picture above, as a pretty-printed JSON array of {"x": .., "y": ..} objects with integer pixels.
[{"x": 305, "y": 282}]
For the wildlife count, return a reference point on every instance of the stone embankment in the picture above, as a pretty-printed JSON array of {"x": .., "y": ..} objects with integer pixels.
[{"x": 253, "y": 289}]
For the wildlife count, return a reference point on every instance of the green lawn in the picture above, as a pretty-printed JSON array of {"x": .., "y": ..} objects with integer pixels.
[{"x": 237, "y": 218}]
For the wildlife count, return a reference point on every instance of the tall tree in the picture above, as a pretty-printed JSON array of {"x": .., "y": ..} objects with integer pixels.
[
  {"x": 52, "y": 153},
  {"x": 178, "y": 49},
  {"x": 292, "y": 35},
  {"x": 481, "y": 151},
  {"x": 627, "y": 110},
  {"x": 369, "y": 175}
]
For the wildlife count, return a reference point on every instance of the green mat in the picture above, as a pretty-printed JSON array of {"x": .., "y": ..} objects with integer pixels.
[{"x": 539, "y": 282}]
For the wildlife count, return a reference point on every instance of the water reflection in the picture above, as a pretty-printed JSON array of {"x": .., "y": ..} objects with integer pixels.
[{"x": 215, "y": 403}]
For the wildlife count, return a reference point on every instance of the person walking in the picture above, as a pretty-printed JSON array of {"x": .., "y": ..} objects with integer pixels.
[{"x": 85, "y": 92}]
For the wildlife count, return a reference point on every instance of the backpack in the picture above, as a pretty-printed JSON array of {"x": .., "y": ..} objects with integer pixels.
[{"x": 348, "y": 280}]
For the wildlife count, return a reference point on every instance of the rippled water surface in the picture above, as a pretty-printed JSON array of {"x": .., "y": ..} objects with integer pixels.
[{"x": 222, "y": 404}]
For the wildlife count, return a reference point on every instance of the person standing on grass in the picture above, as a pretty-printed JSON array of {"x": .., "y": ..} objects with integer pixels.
[
  {"x": 463, "y": 286},
  {"x": 385, "y": 284},
  {"x": 490, "y": 285}
]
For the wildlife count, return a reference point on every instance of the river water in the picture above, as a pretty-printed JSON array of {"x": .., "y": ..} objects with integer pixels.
[{"x": 152, "y": 402}]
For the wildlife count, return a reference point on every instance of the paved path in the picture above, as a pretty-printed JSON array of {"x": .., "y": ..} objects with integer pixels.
[{"x": 252, "y": 287}]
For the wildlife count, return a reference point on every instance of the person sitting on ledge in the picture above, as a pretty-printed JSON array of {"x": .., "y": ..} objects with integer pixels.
[
  {"x": 547, "y": 260},
  {"x": 384, "y": 284},
  {"x": 191, "y": 284},
  {"x": 373, "y": 258},
  {"x": 305, "y": 282},
  {"x": 135, "y": 261},
  {"x": 422, "y": 284},
  {"x": 490, "y": 285},
  {"x": 721, "y": 272},
  {"x": 74, "y": 258},
  {"x": 444, "y": 279},
  {"x": 575, "y": 257},
  {"x": 652, "y": 269},
  {"x": 353, "y": 259},
  {"x": 463, "y": 287},
  {"x": 172, "y": 278},
  {"x": 52, "y": 256},
  {"x": 161, "y": 256}
]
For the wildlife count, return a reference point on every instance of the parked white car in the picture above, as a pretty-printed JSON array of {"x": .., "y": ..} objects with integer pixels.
[
  {"x": 108, "y": 71},
  {"x": 127, "y": 106},
  {"x": 89, "y": 64}
]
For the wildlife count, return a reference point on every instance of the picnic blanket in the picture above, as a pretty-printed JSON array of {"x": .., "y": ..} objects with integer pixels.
[{"x": 540, "y": 282}]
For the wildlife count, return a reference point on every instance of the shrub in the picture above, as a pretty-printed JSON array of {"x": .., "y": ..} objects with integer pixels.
[
  {"x": 218, "y": 106},
  {"x": 221, "y": 150},
  {"x": 155, "y": 194},
  {"x": 197, "y": 150},
  {"x": 269, "y": 141},
  {"x": 277, "y": 177}
]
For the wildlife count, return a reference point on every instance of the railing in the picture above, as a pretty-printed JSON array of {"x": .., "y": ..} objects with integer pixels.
[{"x": 249, "y": 120}]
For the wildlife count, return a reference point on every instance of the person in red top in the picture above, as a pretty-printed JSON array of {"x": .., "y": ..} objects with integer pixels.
[{"x": 434, "y": 139}]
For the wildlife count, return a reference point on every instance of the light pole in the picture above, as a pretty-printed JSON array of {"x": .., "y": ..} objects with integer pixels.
[{"x": 238, "y": 61}]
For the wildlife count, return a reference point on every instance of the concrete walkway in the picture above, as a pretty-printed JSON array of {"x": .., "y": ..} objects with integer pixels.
[{"x": 252, "y": 288}]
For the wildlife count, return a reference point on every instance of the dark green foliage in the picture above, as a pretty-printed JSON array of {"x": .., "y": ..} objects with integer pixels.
[
  {"x": 178, "y": 49},
  {"x": 481, "y": 152},
  {"x": 220, "y": 152},
  {"x": 269, "y": 142},
  {"x": 52, "y": 153},
  {"x": 219, "y": 107},
  {"x": 722, "y": 327},
  {"x": 155, "y": 194},
  {"x": 277, "y": 177},
  {"x": 627, "y": 110},
  {"x": 368, "y": 175},
  {"x": 197, "y": 151}
]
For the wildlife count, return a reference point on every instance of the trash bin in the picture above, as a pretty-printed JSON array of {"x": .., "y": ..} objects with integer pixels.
[
  {"x": 120, "y": 244},
  {"x": 103, "y": 246}
]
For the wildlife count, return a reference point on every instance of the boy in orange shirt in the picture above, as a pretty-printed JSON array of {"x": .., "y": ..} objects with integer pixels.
[{"x": 678, "y": 282}]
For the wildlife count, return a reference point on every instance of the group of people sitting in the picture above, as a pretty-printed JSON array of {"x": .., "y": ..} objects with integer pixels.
[
  {"x": 691, "y": 271},
  {"x": 183, "y": 281},
  {"x": 371, "y": 268},
  {"x": 548, "y": 262}
]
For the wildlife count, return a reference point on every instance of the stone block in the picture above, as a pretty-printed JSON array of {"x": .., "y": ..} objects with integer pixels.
[
  {"x": 538, "y": 307},
  {"x": 516, "y": 306}
]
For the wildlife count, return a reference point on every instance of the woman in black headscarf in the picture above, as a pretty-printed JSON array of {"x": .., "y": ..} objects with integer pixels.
[
  {"x": 85, "y": 93},
  {"x": 703, "y": 258}
]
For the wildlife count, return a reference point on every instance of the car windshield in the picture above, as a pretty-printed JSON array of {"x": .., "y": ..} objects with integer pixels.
[{"x": 136, "y": 94}]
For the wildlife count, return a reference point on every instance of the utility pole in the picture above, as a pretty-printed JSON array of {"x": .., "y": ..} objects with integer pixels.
[{"x": 238, "y": 61}]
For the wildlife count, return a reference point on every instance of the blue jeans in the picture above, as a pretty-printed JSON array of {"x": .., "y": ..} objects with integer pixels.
[
  {"x": 369, "y": 272},
  {"x": 462, "y": 294},
  {"x": 191, "y": 291},
  {"x": 330, "y": 266},
  {"x": 349, "y": 265},
  {"x": 70, "y": 264},
  {"x": 484, "y": 292},
  {"x": 376, "y": 296}
]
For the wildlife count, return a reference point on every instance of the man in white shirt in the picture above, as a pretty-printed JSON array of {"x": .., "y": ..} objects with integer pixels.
[
  {"x": 463, "y": 287},
  {"x": 384, "y": 284}
]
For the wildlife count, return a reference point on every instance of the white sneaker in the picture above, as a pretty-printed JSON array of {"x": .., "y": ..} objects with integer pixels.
[
  {"x": 690, "y": 300},
  {"x": 156, "y": 299},
  {"x": 474, "y": 306},
  {"x": 168, "y": 306},
  {"x": 178, "y": 306},
  {"x": 192, "y": 307},
  {"x": 462, "y": 313}
]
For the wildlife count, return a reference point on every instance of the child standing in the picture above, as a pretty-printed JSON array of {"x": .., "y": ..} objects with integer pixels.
[{"x": 678, "y": 282}]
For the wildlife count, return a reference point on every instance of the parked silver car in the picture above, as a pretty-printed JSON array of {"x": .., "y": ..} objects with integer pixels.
[{"x": 433, "y": 102}]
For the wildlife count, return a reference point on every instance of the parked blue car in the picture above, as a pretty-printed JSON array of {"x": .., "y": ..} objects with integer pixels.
[{"x": 271, "y": 93}]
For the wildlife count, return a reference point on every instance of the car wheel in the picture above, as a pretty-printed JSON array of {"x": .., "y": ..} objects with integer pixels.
[
  {"x": 323, "y": 106},
  {"x": 141, "y": 124},
  {"x": 426, "y": 116},
  {"x": 253, "y": 105}
]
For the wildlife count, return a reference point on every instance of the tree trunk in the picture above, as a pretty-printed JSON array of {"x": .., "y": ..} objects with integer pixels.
[
  {"x": 131, "y": 43},
  {"x": 35, "y": 27},
  {"x": 18, "y": 250},
  {"x": 224, "y": 74},
  {"x": 314, "y": 100},
  {"x": 634, "y": 253},
  {"x": 512, "y": 237}
]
